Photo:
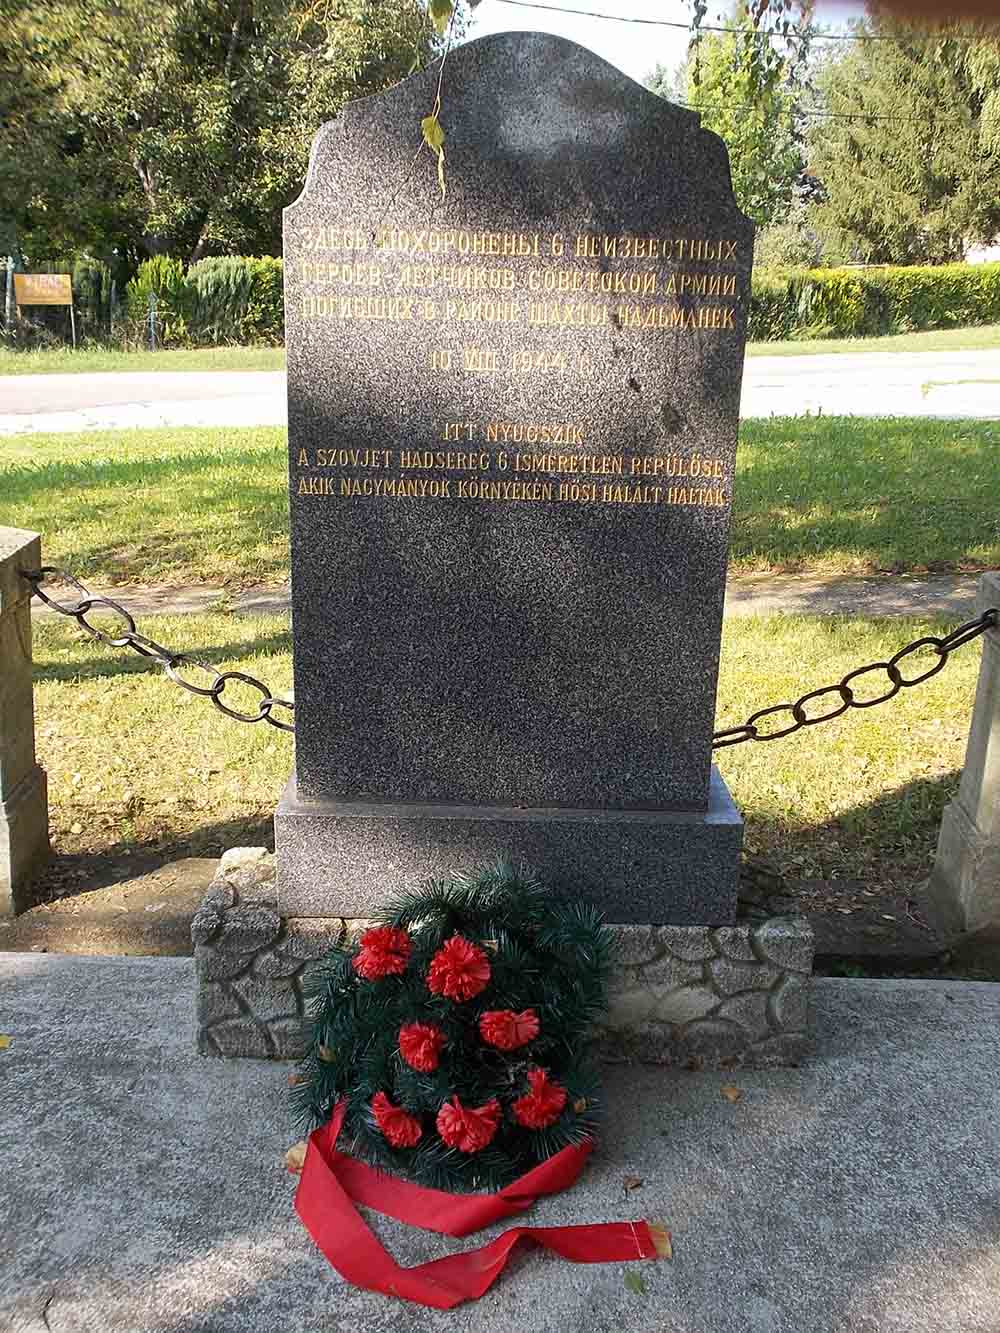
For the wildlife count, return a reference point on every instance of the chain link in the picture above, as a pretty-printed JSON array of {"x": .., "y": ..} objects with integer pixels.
[
  {"x": 174, "y": 664},
  {"x": 848, "y": 688}
]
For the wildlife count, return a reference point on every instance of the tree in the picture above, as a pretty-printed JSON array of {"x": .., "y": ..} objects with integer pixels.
[
  {"x": 909, "y": 170},
  {"x": 191, "y": 120},
  {"x": 747, "y": 101}
]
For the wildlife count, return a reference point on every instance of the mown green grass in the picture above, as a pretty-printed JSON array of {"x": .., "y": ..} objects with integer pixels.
[
  {"x": 981, "y": 338},
  {"x": 64, "y": 360},
  {"x": 136, "y": 764},
  {"x": 68, "y": 361},
  {"x": 822, "y": 495}
]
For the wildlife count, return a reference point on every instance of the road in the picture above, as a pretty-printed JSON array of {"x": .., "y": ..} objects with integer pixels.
[{"x": 870, "y": 384}]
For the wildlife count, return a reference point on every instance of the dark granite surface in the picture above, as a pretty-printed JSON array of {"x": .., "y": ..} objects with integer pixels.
[
  {"x": 518, "y": 650},
  {"x": 672, "y": 868}
]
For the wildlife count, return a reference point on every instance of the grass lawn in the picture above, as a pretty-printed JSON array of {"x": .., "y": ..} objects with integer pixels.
[
  {"x": 65, "y": 360},
  {"x": 979, "y": 339},
  {"x": 828, "y": 495},
  {"x": 138, "y": 766}
]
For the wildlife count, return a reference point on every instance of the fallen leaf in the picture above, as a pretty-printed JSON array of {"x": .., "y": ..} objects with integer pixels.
[
  {"x": 731, "y": 1092},
  {"x": 635, "y": 1284},
  {"x": 631, "y": 1183},
  {"x": 76, "y": 828},
  {"x": 295, "y": 1157},
  {"x": 580, "y": 1105},
  {"x": 5, "y": 1042},
  {"x": 326, "y": 1054},
  {"x": 662, "y": 1239}
]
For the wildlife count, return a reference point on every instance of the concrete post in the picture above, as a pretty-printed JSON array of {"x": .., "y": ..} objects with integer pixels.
[
  {"x": 964, "y": 889},
  {"x": 24, "y": 809}
]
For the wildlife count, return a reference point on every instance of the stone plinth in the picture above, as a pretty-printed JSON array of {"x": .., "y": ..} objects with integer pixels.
[
  {"x": 964, "y": 889},
  {"x": 24, "y": 813},
  {"x": 680, "y": 995},
  {"x": 636, "y": 866}
]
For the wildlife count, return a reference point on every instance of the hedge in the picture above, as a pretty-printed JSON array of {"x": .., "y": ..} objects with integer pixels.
[
  {"x": 853, "y": 303},
  {"x": 239, "y": 300}
]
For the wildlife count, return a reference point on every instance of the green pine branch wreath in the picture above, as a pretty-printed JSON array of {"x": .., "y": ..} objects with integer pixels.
[{"x": 456, "y": 1031}]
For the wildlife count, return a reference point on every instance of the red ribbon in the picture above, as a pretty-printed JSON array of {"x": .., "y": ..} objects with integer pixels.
[{"x": 332, "y": 1182}]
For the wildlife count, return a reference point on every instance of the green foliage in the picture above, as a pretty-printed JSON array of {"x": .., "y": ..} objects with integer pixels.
[
  {"x": 750, "y": 106},
  {"x": 909, "y": 159},
  {"x": 163, "y": 278},
  {"x": 546, "y": 954},
  {"x": 236, "y": 299},
  {"x": 854, "y": 303}
]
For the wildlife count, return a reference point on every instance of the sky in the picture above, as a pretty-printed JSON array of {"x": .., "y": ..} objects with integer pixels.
[{"x": 636, "y": 48}]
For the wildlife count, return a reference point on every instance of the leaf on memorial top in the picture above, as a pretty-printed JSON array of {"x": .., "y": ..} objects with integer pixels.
[
  {"x": 731, "y": 1092},
  {"x": 635, "y": 1284},
  {"x": 5, "y": 1041},
  {"x": 631, "y": 1183},
  {"x": 662, "y": 1240},
  {"x": 295, "y": 1157},
  {"x": 441, "y": 12},
  {"x": 434, "y": 138}
]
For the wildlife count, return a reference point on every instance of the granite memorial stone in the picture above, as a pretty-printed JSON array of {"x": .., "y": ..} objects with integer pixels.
[{"x": 512, "y": 430}]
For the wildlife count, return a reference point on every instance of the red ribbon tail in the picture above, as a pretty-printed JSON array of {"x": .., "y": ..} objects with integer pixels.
[{"x": 331, "y": 1182}]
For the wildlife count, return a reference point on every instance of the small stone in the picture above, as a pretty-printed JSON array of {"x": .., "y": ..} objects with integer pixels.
[
  {"x": 713, "y": 1044},
  {"x": 216, "y": 1002},
  {"x": 247, "y": 930},
  {"x": 237, "y": 1039},
  {"x": 734, "y": 942},
  {"x": 668, "y": 972},
  {"x": 686, "y": 1004},
  {"x": 729, "y": 977},
  {"x": 630, "y": 1008},
  {"x": 307, "y": 938},
  {"x": 636, "y": 945},
  {"x": 749, "y": 1010},
  {"x": 790, "y": 1004},
  {"x": 786, "y": 941},
  {"x": 693, "y": 944}
]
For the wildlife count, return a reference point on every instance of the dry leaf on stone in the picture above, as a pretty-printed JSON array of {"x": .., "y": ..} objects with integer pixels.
[
  {"x": 295, "y": 1157},
  {"x": 5, "y": 1042},
  {"x": 731, "y": 1093},
  {"x": 635, "y": 1284},
  {"x": 631, "y": 1183},
  {"x": 662, "y": 1240}
]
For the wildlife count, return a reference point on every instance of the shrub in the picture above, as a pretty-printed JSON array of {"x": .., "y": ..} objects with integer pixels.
[
  {"x": 163, "y": 277},
  {"x": 852, "y": 303},
  {"x": 237, "y": 299}
]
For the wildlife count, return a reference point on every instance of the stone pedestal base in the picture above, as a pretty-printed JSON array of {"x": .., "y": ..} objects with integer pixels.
[
  {"x": 704, "y": 997},
  {"x": 24, "y": 840},
  {"x": 343, "y": 859}
]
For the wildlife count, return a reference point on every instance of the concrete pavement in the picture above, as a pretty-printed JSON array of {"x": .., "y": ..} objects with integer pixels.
[
  {"x": 856, "y": 1194},
  {"x": 941, "y": 384}
]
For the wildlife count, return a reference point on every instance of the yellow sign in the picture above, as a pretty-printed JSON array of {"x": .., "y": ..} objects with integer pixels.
[{"x": 43, "y": 289}]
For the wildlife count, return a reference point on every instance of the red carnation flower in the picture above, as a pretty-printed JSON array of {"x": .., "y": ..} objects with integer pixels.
[
  {"x": 467, "y": 1129},
  {"x": 543, "y": 1105},
  {"x": 459, "y": 970},
  {"x": 506, "y": 1030},
  {"x": 420, "y": 1045},
  {"x": 384, "y": 952},
  {"x": 399, "y": 1127}
]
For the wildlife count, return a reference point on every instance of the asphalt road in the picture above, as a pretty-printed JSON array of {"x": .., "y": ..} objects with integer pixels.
[{"x": 871, "y": 384}]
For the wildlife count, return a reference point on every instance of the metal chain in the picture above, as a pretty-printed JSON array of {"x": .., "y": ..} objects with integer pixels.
[
  {"x": 844, "y": 691},
  {"x": 174, "y": 664}
]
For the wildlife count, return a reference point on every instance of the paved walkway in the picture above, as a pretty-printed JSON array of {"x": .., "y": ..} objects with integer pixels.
[
  {"x": 935, "y": 384},
  {"x": 952, "y": 595},
  {"x": 856, "y": 1194}
]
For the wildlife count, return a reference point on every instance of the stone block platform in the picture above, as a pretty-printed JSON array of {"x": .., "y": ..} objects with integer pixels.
[{"x": 723, "y": 997}]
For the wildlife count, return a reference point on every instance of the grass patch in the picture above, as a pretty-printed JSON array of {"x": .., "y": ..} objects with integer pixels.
[
  {"x": 137, "y": 765},
  {"x": 824, "y": 495},
  {"x": 978, "y": 339},
  {"x": 68, "y": 361}
]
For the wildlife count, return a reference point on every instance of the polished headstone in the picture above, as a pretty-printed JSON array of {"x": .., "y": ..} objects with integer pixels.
[{"x": 512, "y": 430}]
